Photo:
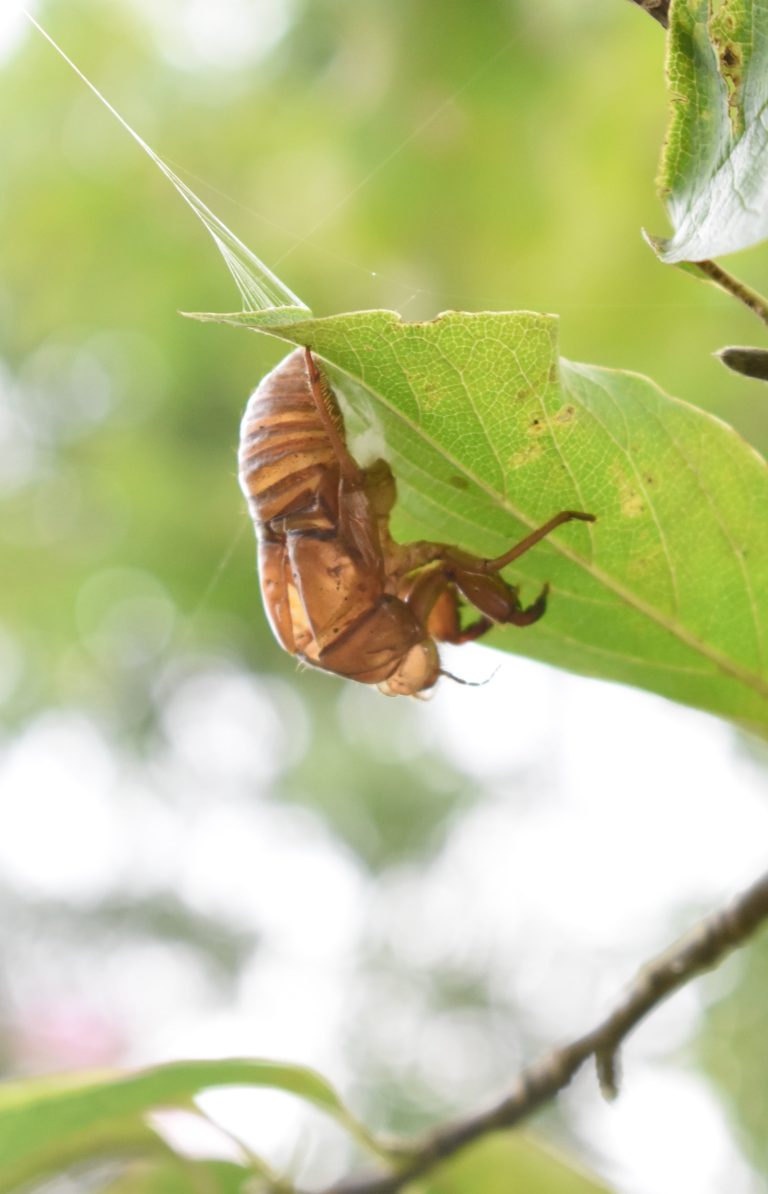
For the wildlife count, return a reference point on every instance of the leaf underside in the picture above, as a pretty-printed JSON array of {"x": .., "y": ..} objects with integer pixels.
[
  {"x": 489, "y": 434},
  {"x": 714, "y": 170}
]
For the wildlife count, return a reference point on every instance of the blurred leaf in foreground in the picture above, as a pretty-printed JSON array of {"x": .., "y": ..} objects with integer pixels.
[
  {"x": 734, "y": 1049},
  {"x": 184, "y": 1176},
  {"x": 509, "y": 1162},
  {"x": 45, "y": 1122},
  {"x": 47, "y": 1126}
]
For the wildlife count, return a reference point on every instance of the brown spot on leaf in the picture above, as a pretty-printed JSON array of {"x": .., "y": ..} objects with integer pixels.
[
  {"x": 458, "y": 482},
  {"x": 631, "y": 500},
  {"x": 565, "y": 414},
  {"x": 526, "y": 455},
  {"x": 432, "y": 394},
  {"x": 730, "y": 55},
  {"x": 632, "y": 504}
]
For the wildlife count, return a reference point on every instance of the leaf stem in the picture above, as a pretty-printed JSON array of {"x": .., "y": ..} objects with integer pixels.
[{"x": 750, "y": 298}]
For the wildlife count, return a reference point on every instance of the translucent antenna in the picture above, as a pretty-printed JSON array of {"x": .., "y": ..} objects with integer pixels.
[
  {"x": 468, "y": 683},
  {"x": 259, "y": 288}
]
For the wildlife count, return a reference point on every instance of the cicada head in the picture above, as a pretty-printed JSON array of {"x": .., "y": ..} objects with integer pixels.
[{"x": 417, "y": 671}]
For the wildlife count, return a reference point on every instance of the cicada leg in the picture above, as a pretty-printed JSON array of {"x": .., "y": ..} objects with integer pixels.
[
  {"x": 530, "y": 541},
  {"x": 448, "y": 572},
  {"x": 434, "y": 598}
]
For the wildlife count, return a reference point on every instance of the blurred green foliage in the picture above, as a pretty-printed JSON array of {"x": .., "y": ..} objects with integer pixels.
[{"x": 734, "y": 1046}]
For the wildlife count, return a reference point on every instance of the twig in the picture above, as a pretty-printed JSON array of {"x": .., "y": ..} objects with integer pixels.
[
  {"x": 658, "y": 9},
  {"x": 750, "y": 298},
  {"x": 698, "y": 951}
]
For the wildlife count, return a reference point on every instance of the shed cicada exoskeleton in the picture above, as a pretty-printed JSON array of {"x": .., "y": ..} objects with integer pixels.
[{"x": 339, "y": 592}]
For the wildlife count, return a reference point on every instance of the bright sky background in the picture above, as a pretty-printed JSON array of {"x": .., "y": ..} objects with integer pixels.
[{"x": 633, "y": 810}]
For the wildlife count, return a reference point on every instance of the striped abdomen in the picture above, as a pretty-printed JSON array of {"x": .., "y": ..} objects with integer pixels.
[{"x": 286, "y": 457}]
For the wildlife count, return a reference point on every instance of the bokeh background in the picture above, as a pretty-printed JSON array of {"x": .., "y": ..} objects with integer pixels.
[{"x": 203, "y": 852}]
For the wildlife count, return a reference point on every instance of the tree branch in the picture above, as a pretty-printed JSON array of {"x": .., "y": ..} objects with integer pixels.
[
  {"x": 698, "y": 951},
  {"x": 658, "y": 9},
  {"x": 738, "y": 290}
]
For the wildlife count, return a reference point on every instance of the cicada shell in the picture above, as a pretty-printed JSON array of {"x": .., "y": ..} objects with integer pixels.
[{"x": 339, "y": 592}]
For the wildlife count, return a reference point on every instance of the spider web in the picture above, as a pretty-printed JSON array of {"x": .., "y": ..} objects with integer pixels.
[{"x": 260, "y": 289}]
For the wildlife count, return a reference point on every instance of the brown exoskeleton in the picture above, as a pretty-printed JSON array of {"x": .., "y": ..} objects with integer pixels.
[{"x": 339, "y": 592}]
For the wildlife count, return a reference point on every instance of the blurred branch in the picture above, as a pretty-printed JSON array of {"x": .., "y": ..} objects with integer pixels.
[
  {"x": 658, "y": 9},
  {"x": 750, "y": 298},
  {"x": 698, "y": 951}
]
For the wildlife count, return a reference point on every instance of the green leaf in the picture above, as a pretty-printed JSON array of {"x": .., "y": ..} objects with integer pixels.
[
  {"x": 714, "y": 170},
  {"x": 182, "y": 1176},
  {"x": 43, "y": 1121},
  {"x": 489, "y": 435},
  {"x": 124, "y": 1140},
  {"x": 509, "y": 1162},
  {"x": 732, "y": 1050},
  {"x": 278, "y": 317}
]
